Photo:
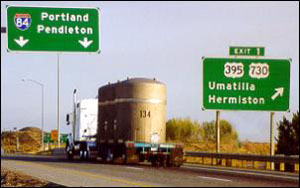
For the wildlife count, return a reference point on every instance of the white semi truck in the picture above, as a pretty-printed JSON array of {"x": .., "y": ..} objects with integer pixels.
[{"x": 82, "y": 141}]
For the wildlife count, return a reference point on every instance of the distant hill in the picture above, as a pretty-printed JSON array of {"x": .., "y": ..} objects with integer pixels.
[
  {"x": 32, "y": 129},
  {"x": 29, "y": 140}
]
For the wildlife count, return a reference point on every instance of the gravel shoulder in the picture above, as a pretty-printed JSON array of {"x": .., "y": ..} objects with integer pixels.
[{"x": 16, "y": 179}]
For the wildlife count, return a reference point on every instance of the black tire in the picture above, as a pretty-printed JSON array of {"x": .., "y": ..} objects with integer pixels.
[
  {"x": 168, "y": 162},
  {"x": 83, "y": 150},
  {"x": 81, "y": 154},
  {"x": 154, "y": 162},
  {"x": 70, "y": 156},
  {"x": 162, "y": 161},
  {"x": 87, "y": 155}
]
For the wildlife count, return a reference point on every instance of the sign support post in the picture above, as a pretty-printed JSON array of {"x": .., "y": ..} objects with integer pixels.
[
  {"x": 3, "y": 31},
  {"x": 272, "y": 148},
  {"x": 218, "y": 131}
]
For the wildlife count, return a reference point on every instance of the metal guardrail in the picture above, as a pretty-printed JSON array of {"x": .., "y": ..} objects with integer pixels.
[{"x": 265, "y": 158}]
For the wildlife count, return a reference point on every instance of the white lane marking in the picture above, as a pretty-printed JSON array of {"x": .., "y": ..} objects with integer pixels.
[
  {"x": 218, "y": 179},
  {"x": 247, "y": 173},
  {"x": 133, "y": 168}
]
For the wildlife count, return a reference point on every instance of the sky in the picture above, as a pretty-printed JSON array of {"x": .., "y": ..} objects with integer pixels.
[{"x": 162, "y": 40}]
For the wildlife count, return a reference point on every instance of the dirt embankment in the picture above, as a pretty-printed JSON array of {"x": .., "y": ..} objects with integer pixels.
[
  {"x": 29, "y": 140},
  {"x": 15, "y": 179}
]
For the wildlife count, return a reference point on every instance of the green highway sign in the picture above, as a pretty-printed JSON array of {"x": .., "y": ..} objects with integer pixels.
[
  {"x": 246, "y": 84},
  {"x": 49, "y": 29},
  {"x": 47, "y": 138},
  {"x": 246, "y": 51}
]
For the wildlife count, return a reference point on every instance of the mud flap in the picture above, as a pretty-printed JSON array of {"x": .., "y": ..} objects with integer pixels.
[
  {"x": 131, "y": 156},
  {"x": 176, "y": 157}
]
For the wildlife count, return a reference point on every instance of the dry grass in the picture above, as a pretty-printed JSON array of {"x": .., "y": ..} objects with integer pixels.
[
  {"x": 29, "y": 140},
  {"x": 13, "y": 179},
  {"x": 230, "y": 147}
]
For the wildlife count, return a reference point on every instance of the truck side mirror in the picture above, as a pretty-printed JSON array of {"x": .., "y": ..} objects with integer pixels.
[{"x": 68, "y": 119}]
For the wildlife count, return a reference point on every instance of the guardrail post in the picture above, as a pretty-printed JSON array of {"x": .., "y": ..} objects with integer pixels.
[
  {"x": 228, "y": 162},
  {"x": 296, "y": 166},
  {"x": 267, "y": 166},
  {"x": 281, "y": 167},
  {"x": 223, "y": 162}
]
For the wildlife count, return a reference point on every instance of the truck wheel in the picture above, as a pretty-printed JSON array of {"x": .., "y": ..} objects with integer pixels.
[
  {"x": 83, "y": 154},
  {"x": 168, "y": 162},
  {"x": 124, "y": 159},
  {"x": 70, "y": 157},
  {"x": 87, "y": 155},
  {"x": 69, "y": 152},
  {"x": 110, "y": 156},
  {"x": 154, "y": 162}
]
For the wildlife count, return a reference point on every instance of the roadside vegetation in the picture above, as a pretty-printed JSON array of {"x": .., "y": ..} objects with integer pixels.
[
  {"x": 201, "y": 137},
  {"x": 288, "y": 138},
  {"x": 29, "y": 140}
]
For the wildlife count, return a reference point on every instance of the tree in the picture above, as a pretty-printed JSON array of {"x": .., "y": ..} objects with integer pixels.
[
  {"x": 288, "y": 138},
  {"x": 186, "y": 130},
  {"x": 182, "y": 129},
  {"x": 227, "y": 132},
  {"x": 208, "y": 131}
]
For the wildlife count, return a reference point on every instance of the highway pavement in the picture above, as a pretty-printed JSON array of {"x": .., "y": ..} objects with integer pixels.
[{"x": 59, "y": 170}]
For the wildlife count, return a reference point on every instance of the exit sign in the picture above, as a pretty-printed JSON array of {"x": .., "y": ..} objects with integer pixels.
[
  {"x": 246, "y": 51},
  {"x": 246, "y": 84}
]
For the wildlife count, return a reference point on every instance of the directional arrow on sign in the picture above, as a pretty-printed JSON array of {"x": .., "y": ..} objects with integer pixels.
[
  {"x": 279, "y": 92},
  {"x": 21, "y": 42},
  {"x": 85, "y": 43}
]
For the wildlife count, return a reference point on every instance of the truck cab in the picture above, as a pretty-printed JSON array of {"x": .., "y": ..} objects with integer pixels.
[{"x": 83, "y": 120}]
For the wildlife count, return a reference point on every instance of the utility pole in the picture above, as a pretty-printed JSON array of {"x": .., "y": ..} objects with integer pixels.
[
  {"x": 58, "y": 116},
  {"x": 74, "y": 113},
  {"x": 42, "y": 111}
]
